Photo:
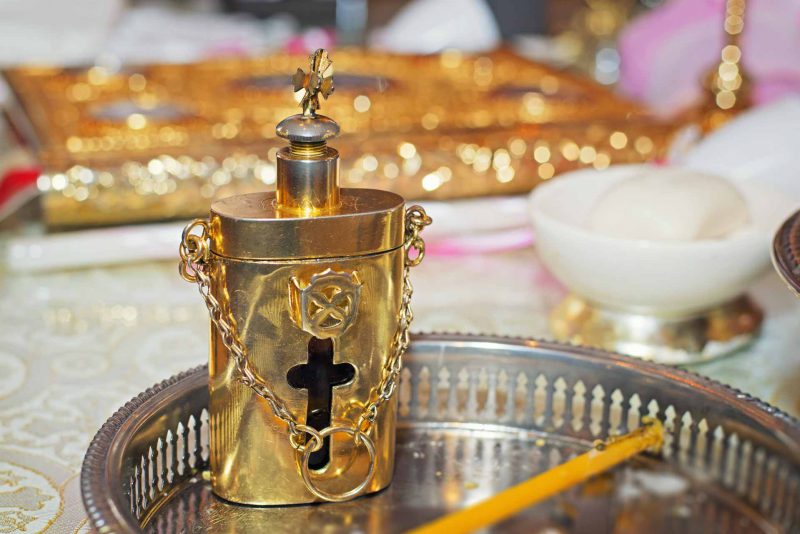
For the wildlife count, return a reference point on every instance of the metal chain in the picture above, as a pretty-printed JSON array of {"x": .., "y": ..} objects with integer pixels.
[
  {"x": 194, "y": 268},
  {"x": 416, "y": 220}
]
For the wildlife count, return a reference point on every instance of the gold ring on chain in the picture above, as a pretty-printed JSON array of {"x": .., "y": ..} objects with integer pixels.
[
  {"x": 316, "y": 439},
  {"x": 194, "y": 247},
  {"x": 418, "y": 245},
  {"x": 349, "y": 494}
]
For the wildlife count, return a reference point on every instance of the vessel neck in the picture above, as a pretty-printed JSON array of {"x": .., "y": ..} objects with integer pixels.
[{"x": 308, "y": 179}]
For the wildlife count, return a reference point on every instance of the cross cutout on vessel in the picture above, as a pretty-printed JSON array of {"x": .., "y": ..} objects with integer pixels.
[{"x": 319, "y": 376}]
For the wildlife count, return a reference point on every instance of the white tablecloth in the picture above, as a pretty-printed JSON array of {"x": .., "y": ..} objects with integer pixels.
[{"x": 77, "y": 345}]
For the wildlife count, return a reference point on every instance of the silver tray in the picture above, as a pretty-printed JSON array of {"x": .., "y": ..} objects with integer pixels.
[
  {"x": 477, "y": 415},
  {"x": 786, "y": 252}
]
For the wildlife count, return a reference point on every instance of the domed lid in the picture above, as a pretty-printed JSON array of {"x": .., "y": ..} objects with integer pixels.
[{"x": 302, "y": 129}]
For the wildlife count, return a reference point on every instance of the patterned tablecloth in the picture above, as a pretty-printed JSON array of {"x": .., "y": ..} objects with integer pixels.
[{"x": 77, "y": 345}]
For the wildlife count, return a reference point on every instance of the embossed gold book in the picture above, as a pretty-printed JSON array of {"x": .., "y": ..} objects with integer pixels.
[
  {"x": 159, "y": 141},
  {"x": 309, "y": 295}
]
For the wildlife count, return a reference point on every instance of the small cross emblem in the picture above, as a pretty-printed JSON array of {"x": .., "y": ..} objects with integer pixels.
[
  {"x": 330, "y": 312},
  {"x": 328, "y": 305},
  {"x": 318, "y": 81},
  {"x": 319, "y": 376}
]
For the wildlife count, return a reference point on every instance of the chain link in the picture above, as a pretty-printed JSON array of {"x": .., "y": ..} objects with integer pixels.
[
  {"x": 194, "y": 267},
  {"x": 416, "y": 221}
]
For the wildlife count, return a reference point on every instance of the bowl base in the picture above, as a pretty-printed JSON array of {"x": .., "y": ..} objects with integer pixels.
[{"x": 680, "y": 340}]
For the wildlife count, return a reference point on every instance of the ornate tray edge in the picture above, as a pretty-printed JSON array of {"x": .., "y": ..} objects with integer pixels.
[
  {"x": 598, "y": 353},
  {"x": 780, "y": 256},
  {"x": 95, "y": 462}
]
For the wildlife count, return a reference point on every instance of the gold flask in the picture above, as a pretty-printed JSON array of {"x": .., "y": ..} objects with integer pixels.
[{"x": 309, "y": 296}]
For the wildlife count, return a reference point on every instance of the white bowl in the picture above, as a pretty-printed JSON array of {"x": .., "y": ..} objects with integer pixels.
[{"x": 655, "y": 277}]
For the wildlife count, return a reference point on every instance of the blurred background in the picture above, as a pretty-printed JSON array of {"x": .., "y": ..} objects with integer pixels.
[
  {"x": 470, "y": 88},
  {"x": 88, "y": 88},
  {"x": 567, "y": 32},
  {"x": 81, "y": 122}
]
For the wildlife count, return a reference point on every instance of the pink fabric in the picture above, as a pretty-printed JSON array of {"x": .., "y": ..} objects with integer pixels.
[
  {"x": 490, "y": 242},
  {"x": 667, "y": 52},
  {"x": 310, "y": 40}
]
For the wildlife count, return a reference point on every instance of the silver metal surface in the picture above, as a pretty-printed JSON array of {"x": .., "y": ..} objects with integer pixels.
[
  {"x": 478, "y": 414},
  {"x": 299, "y": 128},
  {"x": 308, "y": 184},
  {"x": 786, "y": 252},
  {"x": 667, "y": 339}
]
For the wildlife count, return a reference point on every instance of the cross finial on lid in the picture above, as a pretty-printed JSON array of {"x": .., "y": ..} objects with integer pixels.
[{"x": 318, "y": 81}]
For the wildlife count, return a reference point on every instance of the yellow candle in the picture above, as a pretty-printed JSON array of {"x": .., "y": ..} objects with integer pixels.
[{"x": 543, "y": 486}]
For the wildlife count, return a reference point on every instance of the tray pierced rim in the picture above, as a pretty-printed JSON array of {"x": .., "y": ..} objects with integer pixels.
[
  {"x": 106, "y": 518},
  {"x": 786, "y": 252}
]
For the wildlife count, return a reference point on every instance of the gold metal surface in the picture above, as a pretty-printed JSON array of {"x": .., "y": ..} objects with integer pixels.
[
  {"x": 251, "y": 459},
  {"x": 318, "y": 81},
  {"x": 327, "y": 305},
  {"x": 307, "y": 181},
  {"x": 160, "y": 141},
  {"x": 667, "y": 339},
  {"x": 309, "y": 294},
  {"x": 196, "y": 267},
  {"x": 251, "y": 226},
  {"x": 308, "y": 171}
]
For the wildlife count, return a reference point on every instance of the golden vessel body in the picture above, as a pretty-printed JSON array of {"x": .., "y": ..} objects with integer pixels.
[
  {"x": 309, "y": 294},
  {"x": 251, "y": 459}
]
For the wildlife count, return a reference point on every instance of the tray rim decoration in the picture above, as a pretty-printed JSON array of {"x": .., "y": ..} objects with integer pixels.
[
  {"x": 107, "y": 514},
  {"x": 786, "y": 252}
]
